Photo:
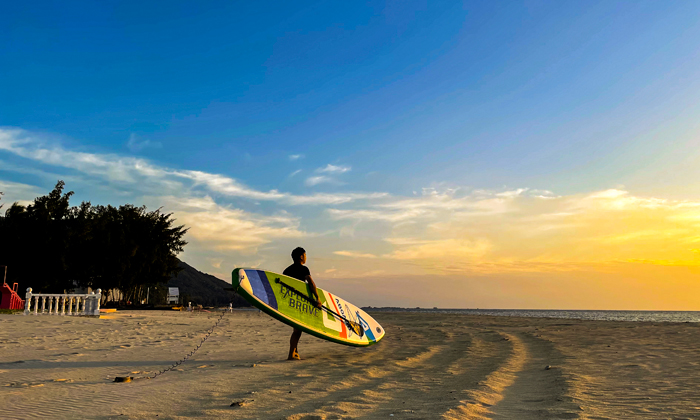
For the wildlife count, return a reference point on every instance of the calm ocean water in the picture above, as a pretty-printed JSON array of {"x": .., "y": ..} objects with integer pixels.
[{"x": 634, "y": 316}]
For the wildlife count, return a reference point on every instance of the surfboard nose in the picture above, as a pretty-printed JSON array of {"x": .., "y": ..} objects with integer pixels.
[{"x": 237, "y": 276}]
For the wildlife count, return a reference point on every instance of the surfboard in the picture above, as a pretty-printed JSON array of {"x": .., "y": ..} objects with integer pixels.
[{"x": 290, "y": 301}]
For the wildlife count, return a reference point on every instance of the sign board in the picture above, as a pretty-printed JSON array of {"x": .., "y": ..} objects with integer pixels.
[{"x": 173, "y": 295}]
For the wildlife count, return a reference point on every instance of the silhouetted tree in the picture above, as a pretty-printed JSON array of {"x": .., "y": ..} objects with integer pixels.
[
  {"x": 35, "y": 240},
  {"x": 52, "y": 246}
]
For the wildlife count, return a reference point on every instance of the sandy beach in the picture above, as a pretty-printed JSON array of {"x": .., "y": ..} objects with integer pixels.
[{"x": 429, "y": 366}]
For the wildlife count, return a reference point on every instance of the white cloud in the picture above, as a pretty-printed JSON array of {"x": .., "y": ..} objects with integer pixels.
[
  {"x": 140, "y": 174},
  {"x": 215, "y": 262},
  {"x": 459, "y": 249},
  {"x": 295, "y": 173},
  {"x": 338, "y": 198},
  {"x": 392, "y": 216},
  {"x": 136, "y": 145},
  {"x": 228, "y": 229},
  {"x": 321, "y": 179},
  {"x": 513, "y": 193},
  {"x": 296, "y": 157},
  {"x": 354, "y": 254},
  {"x": 327, "y": 179},
  {"x": 333, "y": 169},
  {"x": 23, "y": 194}
]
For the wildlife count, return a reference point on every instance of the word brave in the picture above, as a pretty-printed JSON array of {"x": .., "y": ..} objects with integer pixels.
[
  {"x": 297, "y": 304},
  {"x": 303, "y": 306}
]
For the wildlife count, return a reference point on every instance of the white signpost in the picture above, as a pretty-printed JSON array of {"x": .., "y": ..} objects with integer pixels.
[{"x": 173, "y": 295}]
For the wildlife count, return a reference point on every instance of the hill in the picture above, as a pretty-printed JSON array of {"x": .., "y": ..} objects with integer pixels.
[{"x": 203, "y": 289}]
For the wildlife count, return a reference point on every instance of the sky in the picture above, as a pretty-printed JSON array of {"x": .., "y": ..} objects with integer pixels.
[{"x": 515, "y": 154}]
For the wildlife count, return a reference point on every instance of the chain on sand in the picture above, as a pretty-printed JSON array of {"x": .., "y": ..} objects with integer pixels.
[{"x": 188, "y": 355}]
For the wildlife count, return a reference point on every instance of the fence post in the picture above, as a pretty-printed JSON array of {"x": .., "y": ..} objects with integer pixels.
[
  {"x": 98, "y": 300},
  {"x": 28, "y": 301}
]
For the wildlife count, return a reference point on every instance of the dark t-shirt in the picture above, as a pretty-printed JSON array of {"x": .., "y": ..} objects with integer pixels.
[{"x": 297, "y": 271}]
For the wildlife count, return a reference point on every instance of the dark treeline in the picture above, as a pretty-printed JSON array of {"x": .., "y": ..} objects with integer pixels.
[{"x": 51, "y": 247}]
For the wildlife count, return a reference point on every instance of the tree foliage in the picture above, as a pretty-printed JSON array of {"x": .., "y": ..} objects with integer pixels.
[{"x": 52, "y": 247}]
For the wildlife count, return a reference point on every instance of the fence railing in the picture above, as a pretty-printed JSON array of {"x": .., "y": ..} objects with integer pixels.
[{"x": 68, "y": 303}]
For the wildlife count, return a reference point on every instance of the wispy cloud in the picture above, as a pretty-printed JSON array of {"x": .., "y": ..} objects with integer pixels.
[
  {"x": 525, "y": 230},
  {"x": 297, "y": 172},
  {"x": 136, "y": 144},
  {"x": 319, "y": 179},
  {"x": 131, "y": 172},
  {"x": 377, "y": 215},
  {"x": 221, "y": 228},
  {"x": 354, "y": 254},
  {"x": 17, "y": 192},
  {"x": 333, "y": 169},
  {"x": 296, "y": 157},
  {"x": 215, "y": 262},
  {"x": 327, "y": 176}
]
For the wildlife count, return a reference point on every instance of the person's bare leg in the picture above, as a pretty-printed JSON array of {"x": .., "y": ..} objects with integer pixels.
[{"x": 293, "y": 342}]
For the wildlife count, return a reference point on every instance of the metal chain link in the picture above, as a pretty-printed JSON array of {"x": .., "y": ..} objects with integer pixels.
[{"x": 187, "y": 356}]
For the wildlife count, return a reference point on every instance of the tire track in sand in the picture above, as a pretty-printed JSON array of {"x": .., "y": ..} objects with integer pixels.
[
  {"x": 413, "y": 387},
  {"x": 490, "y": 391},
  {"x": 540, "y": 390},
  {"x": 527, "y": 386}
]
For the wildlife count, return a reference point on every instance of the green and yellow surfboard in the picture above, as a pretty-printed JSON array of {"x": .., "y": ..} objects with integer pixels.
[{"x": 289, "y": 300}]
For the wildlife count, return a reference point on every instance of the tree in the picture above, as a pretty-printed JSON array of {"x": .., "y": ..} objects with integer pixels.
[
  {"x": 35, "y": 239},
  {"x": 52, "y": 246}
]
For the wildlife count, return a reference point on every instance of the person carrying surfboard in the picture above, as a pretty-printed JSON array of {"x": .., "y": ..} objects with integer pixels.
[{"x": 300, "y": 272}]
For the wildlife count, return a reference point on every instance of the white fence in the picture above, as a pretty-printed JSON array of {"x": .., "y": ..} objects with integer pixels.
[{"x": 69, "y": 304}]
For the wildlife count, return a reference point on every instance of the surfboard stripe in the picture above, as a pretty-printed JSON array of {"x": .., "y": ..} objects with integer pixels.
[
  {"x": 271, "y": 299},
  {"x": 344, "y": 332},
  {"x": 367, "y": 328},
  {"x": 257, "y": 284}
]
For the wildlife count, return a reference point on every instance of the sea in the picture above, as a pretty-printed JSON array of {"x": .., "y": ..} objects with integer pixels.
[{"x": 595, "y": 315}]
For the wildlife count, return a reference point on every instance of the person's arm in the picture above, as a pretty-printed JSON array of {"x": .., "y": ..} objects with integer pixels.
[{"x": 314, "y": 291}]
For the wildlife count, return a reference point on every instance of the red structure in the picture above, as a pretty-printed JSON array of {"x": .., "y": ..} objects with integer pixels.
[{"x": 10, "y": 298}]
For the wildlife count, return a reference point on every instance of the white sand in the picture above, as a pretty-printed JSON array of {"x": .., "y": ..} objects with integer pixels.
[{"x": 429, "y": 366}]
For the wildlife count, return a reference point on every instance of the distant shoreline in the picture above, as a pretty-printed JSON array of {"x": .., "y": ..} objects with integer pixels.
[{"x": 585, "y": 314}]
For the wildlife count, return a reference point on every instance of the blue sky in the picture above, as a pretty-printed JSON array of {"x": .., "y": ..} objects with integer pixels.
[{"x": 300, "y": 121}]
